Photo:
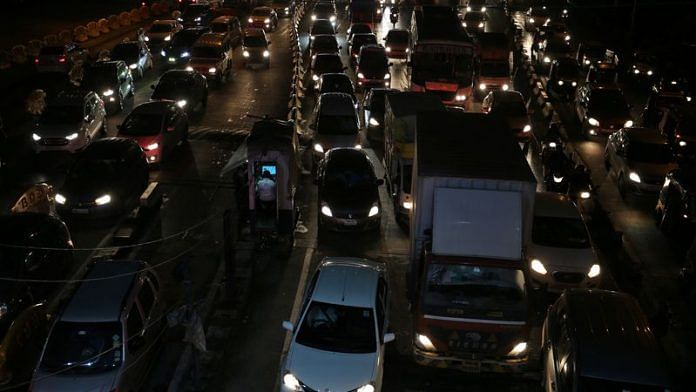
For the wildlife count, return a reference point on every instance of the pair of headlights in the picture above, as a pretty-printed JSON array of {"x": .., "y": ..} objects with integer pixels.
[
  {"x": 326, "y": 211},
  {"x": 424, "y": 342},
  {"x": 537, "y": 266}
]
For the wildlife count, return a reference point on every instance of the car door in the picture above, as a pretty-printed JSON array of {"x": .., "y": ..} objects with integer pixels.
[
  {"x": 136, "y": 346},
  {"x": 382, "y": 317}
]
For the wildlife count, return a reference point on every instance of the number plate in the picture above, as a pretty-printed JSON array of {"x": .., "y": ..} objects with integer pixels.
[
  {"x": 172, "y": 60},
  {"x": 349, "y": 222},
  {"x": 81, "y": 211},
  {"x": 470, "y": 366}
]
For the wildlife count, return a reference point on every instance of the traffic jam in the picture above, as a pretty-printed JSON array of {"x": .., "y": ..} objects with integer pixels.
[{"x": 459, "y": 196}]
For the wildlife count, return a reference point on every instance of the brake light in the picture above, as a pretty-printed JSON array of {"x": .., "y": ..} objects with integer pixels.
[
  {"x": 36, "y": 60},
  {"x": 61, "y": 59}
]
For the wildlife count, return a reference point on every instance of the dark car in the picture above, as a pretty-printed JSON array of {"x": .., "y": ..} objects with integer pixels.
[
  {"x": 678, "y": 124},
  {"x": 106, "y": 179},
  {"x": 510, "y": 107},
  {"x": 597, "y": 340},
  {"x": 189, "y": 89},
  {"x": 602, "y": 110},
  {"x": 564, "y": 77},
  {"x": 337, "y": 83},
  {"x": 602, "y": 74},
  {"x": 357, "y": 42},
  {"x": 372, "y": 69},
  {"x": 196, "y": 15},
  {"x": 321, "y": 26},
  {"x": 135, "y": 54},
  {"x": 228, "y": 26},
  {"x": 158, "y": 128},
  {"x": 325, "y": 63},
  {"x": 474, "y": 22},
  {"x": 336, "y": 124},
  {"x": 589, "y": 53},
  {"x": 112, "y": 80},
  {"x": 643, "y": 66},
  {"x": 324, "y": 11},
  {"x": 535, "y": 17},
  {"x": 397, "y": 43},
  {"x": 676, "y": 205},
  {"x": 178, "y": 51},
  {"x": 323, "y": 43},
  {"x": 348, "y": 192},
  {"x": 263, "y": 18},
  {"x": 373, "y": 108},
  {"x": 59, "y": 57},
  {"x": 255, "y": 48},
  {"x": 658, "y": 103},
  {"x": 358, "y": 28},
  {"x": 552, "y": 49},
  {"x": 283, "y": 8}
]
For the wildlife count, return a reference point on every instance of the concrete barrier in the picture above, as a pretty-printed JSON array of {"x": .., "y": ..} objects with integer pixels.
[
  {"x": 34, "y": 47},
  {"x": 103, "y": 25},
  {"x": 5, "y": 59},
  {"x": 65, "y": 36},
  {"x": 114, "y": 22},
  {"x": 19, "y": 54},
  {"x": 93, "y": 30},
  {"x": 124, "y": 18},
  {"x": 80, "y": 34},
  {"x": 134, "y": 15}
]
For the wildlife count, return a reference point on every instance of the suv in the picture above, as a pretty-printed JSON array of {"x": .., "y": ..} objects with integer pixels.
[
  {"x": 255, "y": 48},
  {"x": 212, "y": 57},
  {"x": 112, "y": 80},
  {"x": 372, "y": 67},
  {"x": 70, "y": 122},
  {"x": 112, "y": 321},
  {"x": 196, "y": 15},
  {"x": 228, "y": 26}
]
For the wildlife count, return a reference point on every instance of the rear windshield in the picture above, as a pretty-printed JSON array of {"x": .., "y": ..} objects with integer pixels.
[
  {"x": 83, "y": 348},
  {"x": 53, "y": 50},
  {"x": 62, "y": 114},
  {"x": 608, "y": 101},
  {"x": 360, "y": 29},
  {"x": 205, "y": 52},
  {"x": 142, "y": 124},
  {"x": 338, "y": 328},
  {"x": 322, "y": 27},
  {"x": 160, "y": 28},
  {"x": 650, "y": 153},
  {"x": 325, "y": 43},
  {"x": 254, "y": 41},
  {"x": 329, "y": 63},
  {"x": 337, "y": 85},
  {"x": 509, "y": 108},
  {"x": 560, "y": 232}
]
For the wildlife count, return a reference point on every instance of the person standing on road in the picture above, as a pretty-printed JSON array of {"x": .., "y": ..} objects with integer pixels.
[{"x": 266, "y": 189}]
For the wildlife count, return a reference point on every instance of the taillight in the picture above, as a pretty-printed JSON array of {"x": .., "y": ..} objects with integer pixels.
[
  {"x": 61, "y": 59},
  {"x": 36, "y": 60}
]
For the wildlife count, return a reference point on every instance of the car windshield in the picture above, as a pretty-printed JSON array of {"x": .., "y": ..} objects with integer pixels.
[
  {"x": 473, "y": 17},
  {"x": 362, "y": 39},
  {"x": 495, "y": 69},
  {"x": 560, "y": 232},
  {"x": 261, "y": 12},
  {"x": 650, "y": 152},
  {"x": 99, "y": 76},
  {"x": 442, "y": 65},
  {"x": 599, "y": 385},
  {"x": 125, "y": 52},
  {"x": 52, "y": 50},
  {"x": 185, "y": 38},
  {"x": 326, "y": 64},
  {"x": 322, "y": 27},
  {"x": 397, "y": 37},
  {"x": 208, "y": 52},
  {"x": 142, "y": 124},
  {"x": 608, "y": 101},
  {"x": 172, "y": 88},
  {"x": 338, "y": 328},
  {"x": 254, "y": 41},
  {"x": 342, "y": 177},
  {"x": 509, "y": 108},
  {"x": 160, "y": 28},
  {"x": 61, "y": 114},
  {"x": 83, "y": 348},
  {"x": 336, "y": 85},
  {"x": 337, "y": 124},
  {"x": 467, "y": 291},
  {"x": 325, "y": 43},
  {"x": 373, "y": 60}
]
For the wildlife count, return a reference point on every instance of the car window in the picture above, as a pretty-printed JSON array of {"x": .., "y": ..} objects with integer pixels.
[
  {"x": 338, "y": 328},
  {"x": 381, "y": 305},
  {"x": 146, "y": 297},
  {"x": 560, "y": 232}
]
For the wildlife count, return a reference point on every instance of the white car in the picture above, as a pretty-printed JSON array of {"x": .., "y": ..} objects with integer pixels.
[
  {"x": 561, "y": 254},
  {"x": 338, "y": 341},
  {"x": 162, "y": 31}
]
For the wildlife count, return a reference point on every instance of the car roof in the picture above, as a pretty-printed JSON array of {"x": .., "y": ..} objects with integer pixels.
[
  {"x": 102, "y": 300},
  {"x": 70, "y": 96},
  {"x": 645, "y": 135},
  {"x": 153, "y": 107},
  {"x": 613, "y": 337},
  {"x": 347, "y": 281},
  {"x": 325, "y": 37},
  {"x": 555, "y": 205},
  {"x": 508, "y": 96},
  {"x": 210, "y": 39}
]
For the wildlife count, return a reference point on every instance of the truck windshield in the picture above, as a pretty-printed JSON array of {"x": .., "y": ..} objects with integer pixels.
[
  {"x": 338, "y": 328},
  {"x": 467, "y": 291},
  {"x": 495, "y": 69},
  {"x": 441, "y": 65}
]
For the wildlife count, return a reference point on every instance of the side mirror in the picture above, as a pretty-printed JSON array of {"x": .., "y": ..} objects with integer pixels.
[
  {"x": 380, "y": 181},
  {"x": 288, "y": 326},
  {"x": 389, "y": 337}
]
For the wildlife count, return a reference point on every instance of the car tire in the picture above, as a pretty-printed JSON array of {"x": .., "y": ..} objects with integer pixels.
[{"x": 621, "y": 184}]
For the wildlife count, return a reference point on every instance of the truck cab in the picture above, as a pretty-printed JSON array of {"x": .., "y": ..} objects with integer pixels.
[{"x": 495, "y": 59}]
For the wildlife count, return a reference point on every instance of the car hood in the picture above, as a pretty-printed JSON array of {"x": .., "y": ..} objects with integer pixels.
[
  {"x": 610, "y": 118},
  {"x": 354, "y": 202},
  {"x": 203, "y": 61},
  {"x": 325, "y": 370},
  {"x": 563, "y": 259},
  {"x": 652, "y": 170},
  {"x": 143, "y": 141},
  {"x": 56, "y": 130},
  {"x": 102, "y": 382},
  {"x": 86, "y": 190}
]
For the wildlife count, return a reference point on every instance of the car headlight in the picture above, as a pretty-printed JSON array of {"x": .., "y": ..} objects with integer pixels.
[
  {"x": 133, "y": 66},
  {"x": 519, "y": 349},
  {"x": 60, "y": 199},
  {"x": 633, "y": 176},
  {"x": 374, "y": 122},
  {"x": 373, "y": 211},
  {"x": 387, "y": 49},
  {"x": 537, "y": 266},
  {"x": 567, "y": 37},
  {"x": 585, "y": 195},
  {"x": 407, "y": 50},
  {"x": 326, "y": 211},
  {"x": 650, "y": 72},
  {"x": 152, "y": 146},
  {"x": 251, "y": 20},
  {"x": 547, "y": 59},
  {"x": 358, "y": 147},
  {"x": 688, "y": 99},
  {"x": 531, "y": 20},
  {"x": 318, "y": 148},
  {"x": 468, "y": 9},
  {"x": 106, "y": 199},
  {"x": 332, "y": 18},
  {"x": 482, "y": 86},
  {"x": 407, "y": 205},
  {"x": 480, "y": 25},
  {"x": 506, "y": 87},
  {"x": 168, "y": 38},
  {"x": 245, "y": 53},
  {"x": 189, "y": 68},
  {"x": 212, "y": 70},
  {"x": 483, "y": 9},
  {"x": 628, "y": 124},
  {"x": 595, "y": 270},
  {"x": 361, "y": 75},
  {"x": 72, "y": 136},
  {"x": 366, "y": 388},
  {"x": 593, "y": 121},
  {"x": 460, "y": 98},
  {"x": 185, "y": 54},
  {"x": 527, "y": 128},
  {"x": 560, "y": 83},
  {"x": 180, "y": 19},
  {"x": 682, "y": 143},
  {"x": 387, "y": 76},
  {"x": 636, "y": 71},
  {"x": 424, "y": 342},
  {"x": 291, "y": 382},
  {"x": 266, "y": 53},
  {"x": 287, "y": 9},
  {"x": 108, "y": 93},
  {"x": 35, "y": 137},
  {"x": 198, "y": 19},
  {"x": 557, "y": 180},
  {"x": 588, "y": 62},
  {"x": 147, "y": 39},
  {"x": 181, "y": 103},
  {"x": 163, "y": 53},
  {"x": 315, "y": 77},
  {"x": 574, "y": 84},
  {"x": 267, "y": 21},
  {"x": 463, "y": 24}
]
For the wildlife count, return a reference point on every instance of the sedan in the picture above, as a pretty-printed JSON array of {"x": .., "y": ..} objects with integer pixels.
[
  {"x": 358, "y": 28},
  {"x": 178, "y": 52},
  {"x": 325, "y": 63},
  {"x": 196, "y": 15},
  {"x": 552, "y": 49},
  {"x": 337, "y": 83},
  {"x": 372, "y": 67},
  {"x": 536, "y": 16},
  {"x": 474, "y": 22},
  {"x": 338, "y": 341},
  {"x": 106, "y": 179},
  {"x": 336, "y": 124},
  {"x": 135, "y": 54},
  {"x": 510, "y": 107},
  {"x": 397, "y": 43},
  {"x": 255, "y": 48},
  {"x": 162, "y": 31},
  {"x": 564, "y": 77},
  {"x": 640, "y": 159},
  {"x": 323, "y": 43},
  {"x": 357, "y": 42},
  {"x": 263, "y": 17},
  {"x": 561, "y": 254},
  {"x": 157, "y": 127},
  {"x": 602, "y": 110}
]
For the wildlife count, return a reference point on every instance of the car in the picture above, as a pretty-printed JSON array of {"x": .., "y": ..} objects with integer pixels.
[
  {"x": 323, "y": 43},
  {"x": 324, "y": 11},
  {"x": 474, "y": 22},
  {"x": 264, "y": 18},
  {"x": 604, "y": 74},
  {"x": 338, "y": 338},
  {"x": 158, "y": 127},
  {"x": 476, "y": 5},
  {"x": 659, "y": 102},
  {"x": 162, "y": 31},
  {"x": 564, "y": 78},
  {"x": 561, "y": 254},
  {"x": 336, "y": 124},
  {"x": 552, "y": 49},
  {"x": 358, "y": 28},
  {"x": 640, "y": 158},
  {"x": 325, "y": 63},
  {"x": 321, "y": 26},
  {"x": 598, "y": 340},
  {"x": 678, "y": 125},
  {"x": 59, "y": 57},
  {"x": 589, "y": 53},
  {"x": 230, "y": 27},
  {"x": 372, "y": 68},
  {"x": 536, "y": 16},
  {"x": 510, "y": 107},
  {"x": 178, "y": 51},
  {"x": 105, "y": 180},
  {"x": 357, "y": 42},
  {"x": 189, "y": 89},
  {"x": 211, "y": 55},
  {"x": 676, "y": 203},
  {"x": 373, "y": 109},
  {"x": 337, "y": 83},
  {"x": 134, "y": 53},
  {"x": 283, "y": 8},
  {"x": 69, "y": 122},
  {"x": 643, "y": 67},
  {"x": 255, "y": 48},
  {"x": 397, "y": 44},
  {"x": 601, "y": 110},
  {"x": 112, "y": 80},
  {"x": 111, "y": 322},
  {"x": 198, "y": 14}
]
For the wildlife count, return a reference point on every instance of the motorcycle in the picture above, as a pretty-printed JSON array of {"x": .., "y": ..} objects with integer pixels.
[
  {"x": 580, "y": 188},
  {"x": 557, "y": 168},
  {"x": 394, "y": 16}
]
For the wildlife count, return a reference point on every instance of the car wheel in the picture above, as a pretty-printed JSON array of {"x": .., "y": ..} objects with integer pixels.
[{"x": 622, "y": 186}]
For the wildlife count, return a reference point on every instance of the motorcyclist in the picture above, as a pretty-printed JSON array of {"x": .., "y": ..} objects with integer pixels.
[
  {"x": 394, "y": 14},
  {"x": 551, "y": 141}
]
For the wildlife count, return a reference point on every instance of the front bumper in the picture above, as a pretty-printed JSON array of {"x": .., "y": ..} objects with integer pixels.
[
  {"x": 350, "y": 225},
  {"x": 557, "y": 281},
  {"x": 470, "y": 365},
  {"x": 374, "y": 83},
  {"x": 59, "y": 144}
]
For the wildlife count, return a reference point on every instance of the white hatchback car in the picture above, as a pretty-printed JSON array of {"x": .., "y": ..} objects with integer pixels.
[
  {"x": 561, "y": 254},
  {"x": 338, "y": 341}
]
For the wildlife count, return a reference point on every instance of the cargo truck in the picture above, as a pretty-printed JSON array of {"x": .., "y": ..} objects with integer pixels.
[
  {"x": 495, "y": 59},
  {"x": 473, "y": 201}
]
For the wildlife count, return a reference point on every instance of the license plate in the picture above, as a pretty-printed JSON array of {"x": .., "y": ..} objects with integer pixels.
[
  {"x": 81, "y": 211},
  {"x": 172, "y": 60},
  {"x": 470, "y": 366},
  {"x": 349, "y": 222}
]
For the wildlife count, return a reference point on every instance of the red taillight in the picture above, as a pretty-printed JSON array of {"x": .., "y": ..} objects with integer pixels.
[
  {"x": 61, "y": 59},
  {"x": 36, "y": 60}
]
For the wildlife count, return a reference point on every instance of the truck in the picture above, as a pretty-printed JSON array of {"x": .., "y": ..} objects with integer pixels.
[
  {"x": 473, "y": 203},
  {"x": 442, "y": 55},
  {"x": 365, "y": 11},
  {"x": 400, "y": 111},
  {"x": 495, "y": 63}
]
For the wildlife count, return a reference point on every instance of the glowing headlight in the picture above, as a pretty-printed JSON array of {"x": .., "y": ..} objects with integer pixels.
[
  {"x": 266, "y": 21},
  {"x": 407, "y": 50},
  {"x": 185, "y": 54},
  {"x": 189, "y": 68},
  {"x": 373, "y": 211},
  {"x": 482, "y": 86},
  {"x": 650, "y": 73},
  {"x": 688, "y": 99},
  {"x": 557, "y": 180},
  {"x": 636, "y": 71},
  {"x": 152, "y": 146},
  {"x": 424, "y": 342},
  {"x": 108, "y": 93},
  {"x": 595, "y": 270},
  {"x": 593, "y": 121},
  {"x": 468, "y": 9},
  {"x": 72, "y": 136},
  {"x": 266, "y": 53},
  {"x": 318, "y": 148},
  {"x": 374, "y": 122},
  {"x": 212, "y": 70},
  {"x": 60, "y": 199},
  {"x": 387, "y": 76},
  {"x": 168, "y": 38},
  {"x": 106, "y": 199},
  {"x": 407, "y": 205},
  {"x": 326, "y": 210},
  {"x": 163, "y": 53},
  {"x": 198, "y": 19},
  {"x": 560, "y": 83},
  {"x": 531, "y": 20},
  {"x": 251, "y": 20},
  {"x": 628, "y": 124},
  {"x": 245, "y": 53},
  {"x": 366, "y": 388},
  {"x": 387, "y": 49},
  {"x": 547, "y": 59},
  {"x": 133, "y": 66},
  {"x": 567, "y": 38},
  {"x": 332, "y": 18},
  {"x": 574, "y": 84},
  {"x": 537, "y": 266},
  {"x": 588, "y": 62},
  {"x": 35, "y": 137},
  {"x": 633, "y": 176},
  {"x": 506, "y": 87},
  {"x": 518, "y": 350},
  {"x": 460, "y": 98},
  {"x": 361, "y": 75},
  {"x": 527, "y": 128},
  {"x": 553, "y": 145},
  {"x": 287, "y": 9},
  {"x": 291, "y": 382},
  {"x": 483, "y": 9},
  {"x": 358, "y": 147},
  {"x": 584, "y": 195},
  {"x": 147, "y": 39},
  {"x": 181, "y": 103},
  {"x": 480, "y": 25},
  {"x": 682, "y": 143}
]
